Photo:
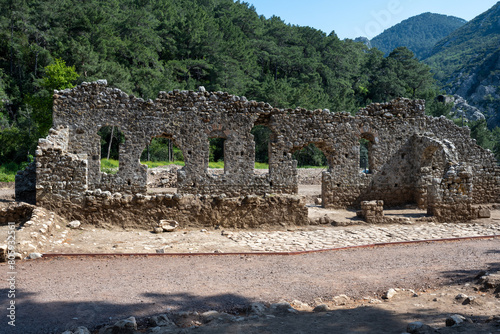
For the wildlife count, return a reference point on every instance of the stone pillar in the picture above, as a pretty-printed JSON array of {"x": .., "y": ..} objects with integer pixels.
[{"x": 373, "y": 211}]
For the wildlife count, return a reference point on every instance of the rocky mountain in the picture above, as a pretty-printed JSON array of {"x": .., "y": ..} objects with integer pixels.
[
  {"x": 467, "y": 63},
  {"x": 418, "y": 33}
]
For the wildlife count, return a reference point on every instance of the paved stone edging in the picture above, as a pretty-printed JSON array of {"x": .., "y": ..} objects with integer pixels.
[{"x": 286, "y": 241}]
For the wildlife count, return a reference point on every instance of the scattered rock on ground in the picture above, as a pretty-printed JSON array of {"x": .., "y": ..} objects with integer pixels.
[
  {"x": 258, "y": 309},
  {"x": 321, "y": 308},
  {"x": 389, "y": 294},
  {"x": 125, "y": 326},
  {"x": 168, "y": 225},
  {"x": 34, "y": 256},
  {"x": 454, "y": 320},
  {"x": 282, "y": 307},
  {"x": 161, "y": 320},
  {"x": 79, "y": 330},
  {"x": 418, "y": 327},
  {"x": 74, "y": 224}
]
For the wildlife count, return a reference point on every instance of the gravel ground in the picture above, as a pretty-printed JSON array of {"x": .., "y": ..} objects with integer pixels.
[{"x": 55, "y": 294}]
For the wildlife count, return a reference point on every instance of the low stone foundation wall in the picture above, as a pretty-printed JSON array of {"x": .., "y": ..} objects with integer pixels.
[
  {"x": 17, "y": 212},
  {"x": 142, "y": 211},
  {"x": 459, "y": 212}
]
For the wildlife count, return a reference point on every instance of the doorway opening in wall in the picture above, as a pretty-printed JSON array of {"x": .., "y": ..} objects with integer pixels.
[
  {"x": 111, "y": 139},
  {"x": 311, "y": 163},
  {"x": 163, "y": 159}
]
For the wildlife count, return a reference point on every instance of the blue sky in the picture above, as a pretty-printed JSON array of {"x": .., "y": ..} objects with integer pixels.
[{"x": 368, "y": 18}]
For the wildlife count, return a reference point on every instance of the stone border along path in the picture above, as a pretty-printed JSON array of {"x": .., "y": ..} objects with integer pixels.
[
  {"x": 281, "y": 241},
  {"x": 216, "y": 241}
]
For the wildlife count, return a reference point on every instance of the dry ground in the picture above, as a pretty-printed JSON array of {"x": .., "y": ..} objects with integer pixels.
[{"x": 56, "y": 294}]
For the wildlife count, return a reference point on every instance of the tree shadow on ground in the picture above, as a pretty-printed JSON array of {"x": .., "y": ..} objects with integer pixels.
[
  {"x": 59, "y": 316},
  {"x": 468, "y": 276}
]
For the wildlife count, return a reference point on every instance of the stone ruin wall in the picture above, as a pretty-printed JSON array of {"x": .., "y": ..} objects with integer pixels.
[{"x": 410, "y": 154}]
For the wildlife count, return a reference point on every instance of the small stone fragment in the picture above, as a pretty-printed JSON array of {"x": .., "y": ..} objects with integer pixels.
[
  {"x": 161, "y": 320},
  {"x": 414, "y": 326},
  {"x": 168, "y": 225},
  {"x": 283, "y": 307},
  {"x": 258, "y": 309},
  {"x": 81, "y": 330},
  {"x": 341, "y": 300},
  {"x": 419, "y": 328},
  {"x": 454, "y": 320},
  {"x": 34, "y": 256},
  {"x": 321, "y": 308},
  {"x": 74, "y": 224},
  {"x": 389, "y": 294}
]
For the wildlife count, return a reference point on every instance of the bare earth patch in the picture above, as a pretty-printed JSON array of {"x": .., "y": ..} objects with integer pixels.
[{"x": 347, "y": 286}]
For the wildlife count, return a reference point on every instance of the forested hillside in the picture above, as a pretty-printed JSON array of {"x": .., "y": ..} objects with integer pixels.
[
  {"x": 418, "y": 33},
  {"x": 467, "y": 63},
  {"x": 146, "y": 46}
]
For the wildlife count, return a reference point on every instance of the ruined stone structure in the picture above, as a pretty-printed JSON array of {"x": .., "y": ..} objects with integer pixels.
[{"x": 413, "y": 158}]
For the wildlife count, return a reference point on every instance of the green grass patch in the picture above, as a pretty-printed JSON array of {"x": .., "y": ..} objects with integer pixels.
[
  {"x": 109, "y": 163},
  {"x": 9, "y": 170},
  {"x": 111, "y": 166},
  {"x": 317, "y": 167},
  {"x": 216, "y": 164},
  {"x": 153, "y": 164},
  {"x": 261, "y": 165},
  {"x": 7, "y": 177}
]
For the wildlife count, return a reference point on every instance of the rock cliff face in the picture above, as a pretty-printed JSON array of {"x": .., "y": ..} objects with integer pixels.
[
  {"x": 481, "y": 87},
  {"x": 461, "y": 108},
  {"x": 467, "y": 63}
]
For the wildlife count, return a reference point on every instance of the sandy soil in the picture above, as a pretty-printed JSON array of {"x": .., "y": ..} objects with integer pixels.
[
  {"x": 7, "y": 194},
  {"x": 55, "y": 294}
]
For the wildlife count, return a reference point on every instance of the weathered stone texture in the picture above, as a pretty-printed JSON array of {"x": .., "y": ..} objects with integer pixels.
[
  {"x": 144, "y": 211},
  {"x": 16, "y": 212},
  {"x": 409, "y": 153}
]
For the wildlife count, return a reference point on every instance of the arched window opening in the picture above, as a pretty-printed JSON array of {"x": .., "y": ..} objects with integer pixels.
[{"x": 111, "y": 139}]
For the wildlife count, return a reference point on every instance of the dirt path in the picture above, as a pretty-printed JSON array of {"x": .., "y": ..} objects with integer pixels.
[{"x": 60, "y": 293}]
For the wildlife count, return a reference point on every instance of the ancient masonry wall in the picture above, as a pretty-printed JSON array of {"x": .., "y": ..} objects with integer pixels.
[
  {"x": 102, "y": 208},
  {"x": 410, "y": 154}
]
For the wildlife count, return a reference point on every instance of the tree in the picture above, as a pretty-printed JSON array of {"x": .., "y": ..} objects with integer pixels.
[{"x": 57, "y": 76}]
